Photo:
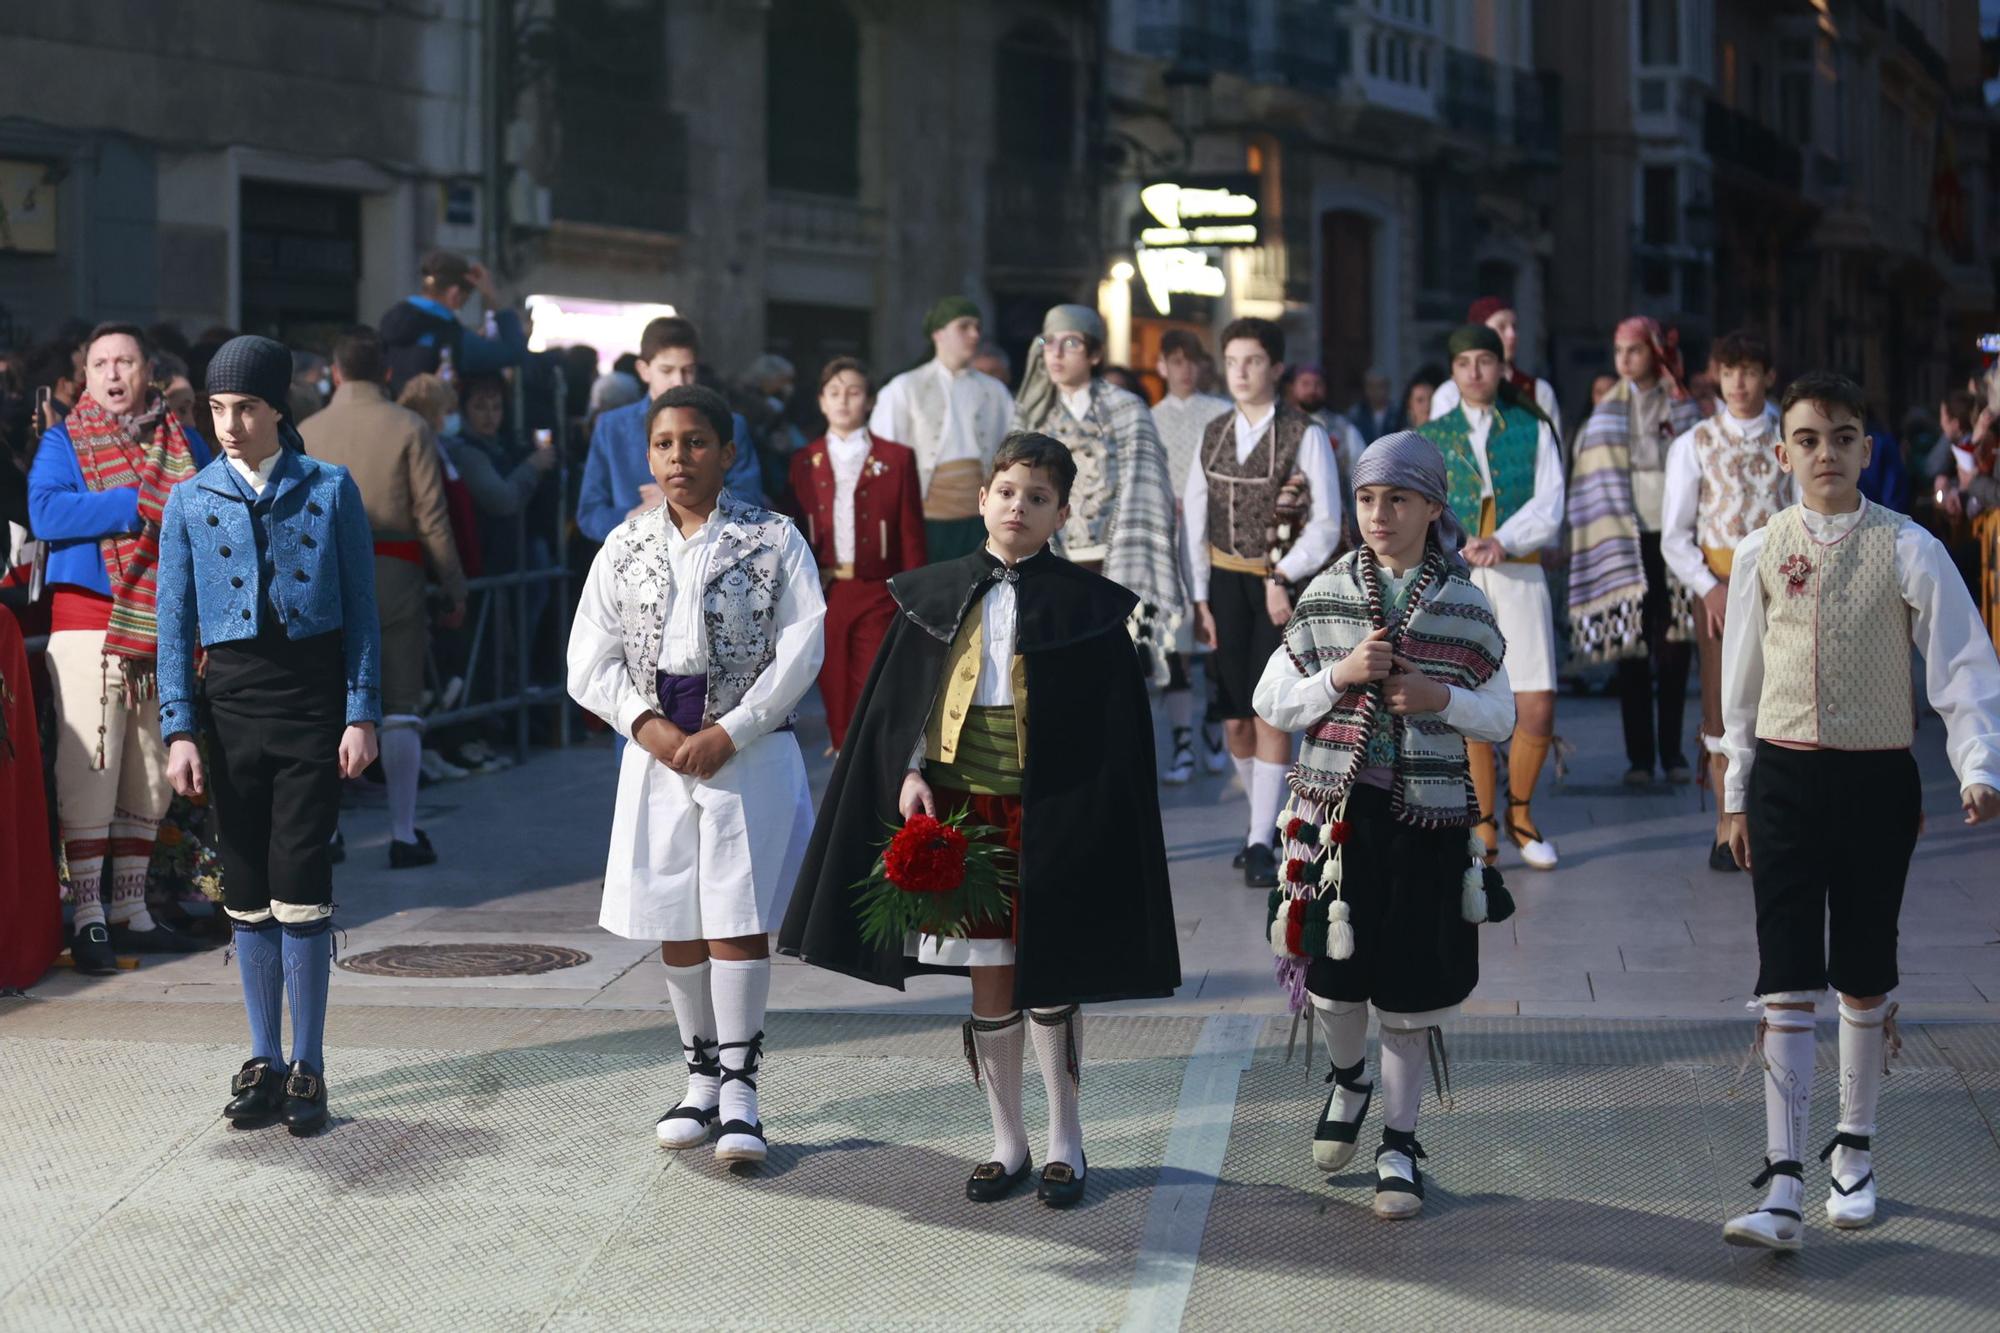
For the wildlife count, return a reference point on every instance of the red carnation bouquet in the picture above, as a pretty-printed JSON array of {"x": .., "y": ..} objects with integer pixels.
[{"x": 936, "y": 876}]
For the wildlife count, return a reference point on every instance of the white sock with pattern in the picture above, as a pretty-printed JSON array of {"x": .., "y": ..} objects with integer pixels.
[
  {"x": 997, "y": 1051},
  {"x": 1052, "y": 1037}
]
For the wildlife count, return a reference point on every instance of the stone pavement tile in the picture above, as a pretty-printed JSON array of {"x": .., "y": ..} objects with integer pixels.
[
  {"x": 860, "y": 1220},
  {"x": 1686, "y": 956},
  {"x": 1731, "y": 986},
  {"x": 1571, "y": 986}
]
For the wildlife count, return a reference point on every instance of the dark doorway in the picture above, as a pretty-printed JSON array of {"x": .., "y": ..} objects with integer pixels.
[
  {"x": 301, "y": 262},
  {"x": 812, "y": 98},
  {"x": 1347, "y": 302},
  {"x": 809, "y": 336}
]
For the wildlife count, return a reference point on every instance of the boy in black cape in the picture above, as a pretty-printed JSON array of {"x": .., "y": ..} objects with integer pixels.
[{"x": 1009, "y": 687}]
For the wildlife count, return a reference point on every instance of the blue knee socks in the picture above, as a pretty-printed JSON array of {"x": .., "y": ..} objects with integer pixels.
[
  {"x": 308, "y": 954},
  {"x": 257, "y": 962}
]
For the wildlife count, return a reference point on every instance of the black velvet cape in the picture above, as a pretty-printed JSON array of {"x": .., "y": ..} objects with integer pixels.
[{"x": 1094, "y": 916}]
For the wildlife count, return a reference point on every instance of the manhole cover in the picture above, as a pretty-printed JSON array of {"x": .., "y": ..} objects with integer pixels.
[{"x": 464, "y": 960}]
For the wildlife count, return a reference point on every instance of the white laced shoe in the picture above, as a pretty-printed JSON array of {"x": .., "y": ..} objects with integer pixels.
[
  {"x": 1778, "y": 1225},
  {"x": 1399, "y": 1184},
  {"x": 1181, "y": 771},
  {"x": 1850, "y": 1206},
  {"x": 1539, "y": 854},
  {"x": 684, "y": 1127}
]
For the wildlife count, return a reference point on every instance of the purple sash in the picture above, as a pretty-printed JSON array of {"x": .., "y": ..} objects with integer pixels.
[{"x": 682, "y": 699}]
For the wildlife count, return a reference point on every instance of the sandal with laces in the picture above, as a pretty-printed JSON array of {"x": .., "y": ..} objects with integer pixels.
[
  {"x": 687, "y": 1125},
  {"x": 742, "y": 1140}
]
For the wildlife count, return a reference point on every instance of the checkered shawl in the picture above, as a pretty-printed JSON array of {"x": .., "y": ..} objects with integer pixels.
[
  {"x": 110, "y": 457},
  {"x": 1447, "y": 631},
  {"x": 1607, "y": 581}
]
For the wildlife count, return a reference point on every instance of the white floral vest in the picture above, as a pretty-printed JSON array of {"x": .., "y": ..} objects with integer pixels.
[{"x": 739, "y": 600}]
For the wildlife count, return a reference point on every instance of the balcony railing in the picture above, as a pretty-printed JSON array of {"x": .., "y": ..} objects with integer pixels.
[
  {"x": 1731, "y": 137},
  {"x": 1538, "y": 112},
  {"x": 1919, "y": 46},
  {"x": 1213, "y": 34},
  {"x": 1471, "y": 93}
]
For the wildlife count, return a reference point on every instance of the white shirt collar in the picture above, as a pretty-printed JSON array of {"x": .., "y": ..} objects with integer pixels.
[
  {"x": 1077, "y": 400},
  {"x": 259, "y": 476},
  {"x": 847, "y": 444},
  {"x": 1244, "y": 421},
  {"x": 1827, "y": 527}
]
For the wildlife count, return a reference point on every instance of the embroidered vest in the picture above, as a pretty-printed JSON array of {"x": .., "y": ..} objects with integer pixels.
[
  {"x": 1742, "y": 486},
  {"x": 1836, "y": 636},
  {"x": 739, "y": 600},
  {"x": 1242, "y": 497},
  {"x": 1093, "y": 446},
  {"x": 1511, "y": 444},
  {"x": 953, "y": 705}
]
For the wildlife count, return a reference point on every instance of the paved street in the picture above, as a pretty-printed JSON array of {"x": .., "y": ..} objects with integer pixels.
[{"x": 492, "y": 1165}]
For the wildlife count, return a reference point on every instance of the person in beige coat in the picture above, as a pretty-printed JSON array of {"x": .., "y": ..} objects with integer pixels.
[{"x": 393, "y": 458}]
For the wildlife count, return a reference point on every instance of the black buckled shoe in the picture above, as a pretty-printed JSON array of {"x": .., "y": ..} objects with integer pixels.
[
  {"x": 305, "y": 1100},
  {"x": 1395, "y": 1197},
  {"x": 257, "y": 1094},
  {"x": 1260, "y": 867},
  {"x": 405, "y": 855},
  {"x": 992, "y": 1182},
  {"x": 1333, "y": 1140},
  {"x": 1062, "y": 1184},
  {"x": 1242, "y": 855},
  {"x": 90, "y": 952}
]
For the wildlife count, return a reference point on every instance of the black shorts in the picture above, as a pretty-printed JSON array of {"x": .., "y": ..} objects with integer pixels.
[
  {"x": 1245, "y": 638},
  {"x": 1414, "y": 951},
  {"x": 1831, "y": 833}
]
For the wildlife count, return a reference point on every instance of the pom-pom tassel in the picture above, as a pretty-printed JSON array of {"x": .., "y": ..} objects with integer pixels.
[
  {"x": 1472, "y": 901},
  {"x": 1339, "y": 931},
  {"x": 1279, "y": 920},
  {"x": 1499, "y": 902}
]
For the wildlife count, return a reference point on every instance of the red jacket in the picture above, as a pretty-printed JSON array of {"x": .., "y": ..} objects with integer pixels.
[{"x": 888, "y": 508}]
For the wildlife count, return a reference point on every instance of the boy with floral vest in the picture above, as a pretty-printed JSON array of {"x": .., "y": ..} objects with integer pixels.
[
  {"x": 1822, "y": 793},
  {"x": 1723, "y": 483},
  {"x": 698, "y": 631}
]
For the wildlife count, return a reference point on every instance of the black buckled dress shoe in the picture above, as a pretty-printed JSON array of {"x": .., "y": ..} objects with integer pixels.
[
  {"x": 157, "y": 940},
  {"x": 1260, "y": 867},
  {"x": 1236, "y": 861},
  {"x": 258, "y": 1094},
  {"x": 91, "y": 953},
  {"x": 992, "y": 1182},
  {"x": 404, "y": 855},
  {"x": 305, "y": 1100},
  {"x": 1062, "y": 1184}
]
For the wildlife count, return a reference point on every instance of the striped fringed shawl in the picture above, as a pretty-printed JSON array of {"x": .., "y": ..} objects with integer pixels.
[
  {"x": 1448, "y": 632},
  {"x": 1607, "y": 581},
  {"x": 1130, "y": 511}
]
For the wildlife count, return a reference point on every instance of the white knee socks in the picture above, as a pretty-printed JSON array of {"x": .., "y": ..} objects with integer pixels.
[
  {"x": 1058, "y": 1038},
  {"x": 694, "y": 1014},
  {"x": 1267, "y": 793},
  {"x": 1788, "y": 1070},
  {"x": 740, "y": 990},
  {"x": 1863, "y": 1042},
  {"x": 1402, "y": 1076},
  {"x": 1344, "y": 1024},
  {"x": 402, "y": 764},
  {"x": 997, "y": 1044},
  {"x": 1245, "y": 769}
]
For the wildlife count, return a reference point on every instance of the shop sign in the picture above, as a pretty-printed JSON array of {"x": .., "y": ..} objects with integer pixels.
[
  {"x": 1172, "y": 271},
  {"x": 1220, "y": 210}
]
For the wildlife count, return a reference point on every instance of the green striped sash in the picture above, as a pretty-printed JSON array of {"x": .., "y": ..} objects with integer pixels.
[{"x": 987, "y": 764}]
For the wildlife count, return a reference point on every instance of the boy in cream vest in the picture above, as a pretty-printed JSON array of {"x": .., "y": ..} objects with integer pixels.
[{"x": 1824, "y": 603}]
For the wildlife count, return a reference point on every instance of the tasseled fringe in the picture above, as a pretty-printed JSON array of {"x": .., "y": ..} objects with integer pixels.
[
  {"x": 1472, "y": 896},
  {"x": 1339, "y": 931},
  {"x": 138, "y": 680}
]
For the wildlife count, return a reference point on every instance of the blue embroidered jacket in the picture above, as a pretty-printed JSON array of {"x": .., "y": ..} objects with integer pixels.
[{"x": 317, "y": 571}]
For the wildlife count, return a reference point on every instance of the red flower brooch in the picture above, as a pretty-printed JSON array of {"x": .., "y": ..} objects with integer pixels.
[{"x": 1796, "y": 569}]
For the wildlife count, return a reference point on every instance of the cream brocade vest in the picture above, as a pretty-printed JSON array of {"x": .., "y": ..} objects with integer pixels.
[
  {"x": 1742, "y": 485},
  {"x": 1836, "y": 636}
]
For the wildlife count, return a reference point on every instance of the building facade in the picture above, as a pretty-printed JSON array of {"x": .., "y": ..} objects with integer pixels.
[
  {"x": 1815, "y": 169},
  {"x": 1404, "y": 153}
]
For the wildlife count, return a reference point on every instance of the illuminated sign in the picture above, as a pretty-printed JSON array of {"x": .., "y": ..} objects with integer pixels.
[
  {"x": 1200, "y": 210},
  {"x": 1177, "y": 271}
]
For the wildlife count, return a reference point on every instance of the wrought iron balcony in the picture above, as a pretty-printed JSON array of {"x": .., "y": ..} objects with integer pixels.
[{"x": 1735, "y": 139}]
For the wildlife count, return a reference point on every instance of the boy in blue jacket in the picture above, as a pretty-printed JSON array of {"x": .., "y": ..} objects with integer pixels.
[{"x": 267, "y": 562}]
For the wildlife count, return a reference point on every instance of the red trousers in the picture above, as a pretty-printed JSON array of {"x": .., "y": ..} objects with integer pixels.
[{"x": 858, "y": 615}]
